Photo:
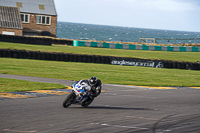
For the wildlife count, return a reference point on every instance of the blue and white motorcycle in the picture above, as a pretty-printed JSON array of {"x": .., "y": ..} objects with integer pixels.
[{"x": 79, "y": 95}]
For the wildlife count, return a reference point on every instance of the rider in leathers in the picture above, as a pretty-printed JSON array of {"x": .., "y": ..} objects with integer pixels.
[{"x": 94, "y": 86}]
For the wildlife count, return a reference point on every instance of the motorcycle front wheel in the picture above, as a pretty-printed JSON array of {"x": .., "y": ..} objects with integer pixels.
[{"x": 68, "y": 100}]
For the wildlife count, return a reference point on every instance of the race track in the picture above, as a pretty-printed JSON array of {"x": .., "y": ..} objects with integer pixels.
[{"x": 124, "y": 109}]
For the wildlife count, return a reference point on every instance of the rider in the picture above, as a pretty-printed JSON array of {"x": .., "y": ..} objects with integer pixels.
[{"x": 95, "y": 85}]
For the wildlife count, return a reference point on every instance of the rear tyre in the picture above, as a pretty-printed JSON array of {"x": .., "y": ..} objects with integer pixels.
[
  {"x": 87, "y": 102},
  {"x": 68, "y": 100}
]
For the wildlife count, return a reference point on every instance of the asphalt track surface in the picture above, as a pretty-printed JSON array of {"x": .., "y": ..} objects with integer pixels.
[{"x": 126, "y": 109}]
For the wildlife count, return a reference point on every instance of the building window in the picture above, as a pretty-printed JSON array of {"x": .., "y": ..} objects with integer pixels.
[
  {"x": 44, "y": 20},
  {"x": 25, "y": 18}
]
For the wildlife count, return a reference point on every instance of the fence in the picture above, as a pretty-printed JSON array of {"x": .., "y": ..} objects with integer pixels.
[
  {"x": 137, "y": 47},
  {"x": 170, "y": 40}
]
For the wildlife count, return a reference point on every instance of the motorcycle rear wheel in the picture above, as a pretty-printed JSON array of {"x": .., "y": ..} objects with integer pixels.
[
  {"x": 87, "y": 102},
  {"x": 68, "y": 100}
]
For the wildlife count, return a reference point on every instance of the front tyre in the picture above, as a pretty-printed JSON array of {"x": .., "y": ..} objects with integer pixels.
[{"x": 68, "y": 100}]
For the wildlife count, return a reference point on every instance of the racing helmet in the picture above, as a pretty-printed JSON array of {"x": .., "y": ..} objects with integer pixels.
[{"x": 93, "y": 81}]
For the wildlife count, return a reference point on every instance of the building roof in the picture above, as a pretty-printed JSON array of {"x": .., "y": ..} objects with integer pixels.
[
  {"x": 46, "y": 7},
  {"x": 10, "y": 18}
]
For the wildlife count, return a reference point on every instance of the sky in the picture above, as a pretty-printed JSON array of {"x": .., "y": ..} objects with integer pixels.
[{"x": 181, "y": 15}]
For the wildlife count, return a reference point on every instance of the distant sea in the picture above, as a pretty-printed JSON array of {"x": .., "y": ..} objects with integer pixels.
[{"x": 116, "y": 33}]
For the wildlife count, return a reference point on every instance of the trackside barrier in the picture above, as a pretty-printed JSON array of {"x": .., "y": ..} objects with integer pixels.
[
  {"x": 67, "y": 57},
  {"x": 34, "y": 40},
  {"x": 136, "y": 47}
]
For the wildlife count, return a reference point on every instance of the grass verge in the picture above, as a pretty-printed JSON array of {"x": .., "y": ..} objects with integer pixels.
[
  {"x": 162, "y": 55},
  {"x": 13, "y": 85},
  {"x": 113, "y": 74}
]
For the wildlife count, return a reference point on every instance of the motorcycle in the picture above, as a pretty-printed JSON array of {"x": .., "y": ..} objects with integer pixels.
[{"x": 79, "y": 95}]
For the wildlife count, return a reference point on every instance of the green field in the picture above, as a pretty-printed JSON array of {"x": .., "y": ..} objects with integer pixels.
[
  {"x": 13, "y": 85},
  {"x": 162, "y": 55},
  {"x": 112, "y": 74}
]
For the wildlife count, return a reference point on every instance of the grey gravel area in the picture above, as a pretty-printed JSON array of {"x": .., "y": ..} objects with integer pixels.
[{"x": 68, "y": 82}]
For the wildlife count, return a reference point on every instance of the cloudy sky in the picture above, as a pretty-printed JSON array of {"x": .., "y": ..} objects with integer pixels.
[{"x": 181, "y": 15}]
